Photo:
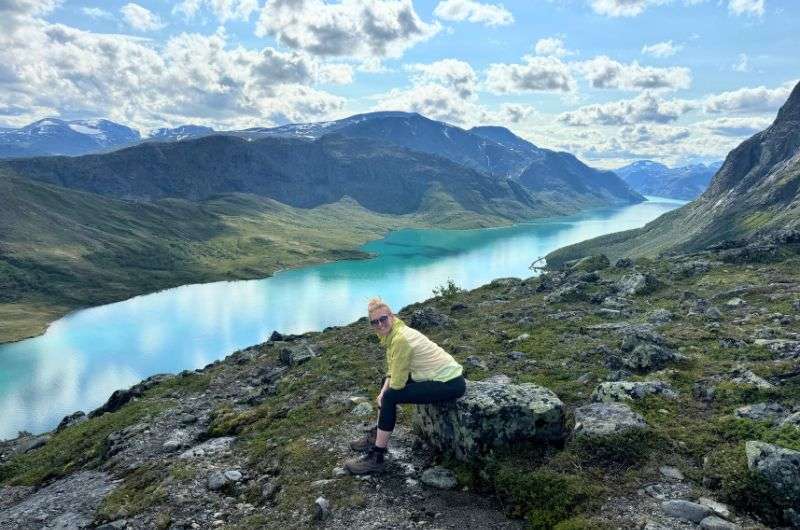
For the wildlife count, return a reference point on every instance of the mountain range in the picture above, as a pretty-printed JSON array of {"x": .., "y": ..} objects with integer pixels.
[
  {"x": 652, "y": 178},
  {"x": 756, "y": 192},
  {"x": 52, "y": 136}
]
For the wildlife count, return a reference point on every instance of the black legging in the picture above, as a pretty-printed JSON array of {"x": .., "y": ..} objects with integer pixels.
[{"x": 418, "y": 392}]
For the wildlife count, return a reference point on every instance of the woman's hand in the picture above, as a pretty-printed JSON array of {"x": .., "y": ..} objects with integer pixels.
[{"x": 379, "y": 399}]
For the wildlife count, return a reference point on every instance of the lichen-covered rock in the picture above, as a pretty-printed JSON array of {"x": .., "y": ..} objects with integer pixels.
[
  {"x": 779, "y": 466},
  {"x": 298, "y": 354},
  {"x": 439, "y": 478},
  {"x": 616, "y": 391},
  {"x": 637, "y": 283},
  {"x": 771, "y": 412},
  {"x": 603, "y": 419},
  {"x": 647, "y": 356},
  {"x": 491, "y": 415},
  {"x": 659, "y": 316},
  {"x": 427, "y": 317}
]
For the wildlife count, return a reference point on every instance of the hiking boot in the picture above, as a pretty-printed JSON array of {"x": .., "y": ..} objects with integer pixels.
[
  {"x": 366, "y": 443},
  {"x": 370, "y": 463}
]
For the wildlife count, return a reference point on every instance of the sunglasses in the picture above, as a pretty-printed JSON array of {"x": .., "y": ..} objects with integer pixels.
[{"x": 380, "y": 320}]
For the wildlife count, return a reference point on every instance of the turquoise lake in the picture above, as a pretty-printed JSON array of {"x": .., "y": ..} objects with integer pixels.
[{"x": 85, "y": 356}]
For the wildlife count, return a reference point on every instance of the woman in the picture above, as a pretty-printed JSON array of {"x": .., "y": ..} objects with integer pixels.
[{"x": 419, "y": 371}]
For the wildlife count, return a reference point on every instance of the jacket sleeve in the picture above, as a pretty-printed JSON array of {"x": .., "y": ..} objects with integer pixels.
[{"x": 399, "y": 363}]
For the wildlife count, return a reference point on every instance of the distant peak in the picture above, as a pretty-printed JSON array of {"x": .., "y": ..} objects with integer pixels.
[{"x": 791, "y": 109}]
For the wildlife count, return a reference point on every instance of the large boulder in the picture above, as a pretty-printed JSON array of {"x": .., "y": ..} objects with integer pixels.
[
  {"x": 491, "y": 415},
  {"x": 605, "y": 419},
  {"x": 780, "y": 467},
  {"x": 637, "y": 283},
  {"x": 629, "y": 390},
  {"x": 426, "y": 318}
]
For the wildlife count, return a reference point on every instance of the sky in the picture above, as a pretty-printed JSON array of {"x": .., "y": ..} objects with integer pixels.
[{"x": 612, "y": 81}]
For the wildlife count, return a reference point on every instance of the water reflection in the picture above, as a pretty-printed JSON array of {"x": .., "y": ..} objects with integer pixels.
[{"x": 87, "y": 355}]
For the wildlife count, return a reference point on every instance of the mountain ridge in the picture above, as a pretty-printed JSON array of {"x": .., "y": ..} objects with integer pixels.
[{"x": 652, "y": 178}]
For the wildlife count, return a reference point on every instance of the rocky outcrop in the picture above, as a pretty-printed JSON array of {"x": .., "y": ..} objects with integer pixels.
[
  {"x": 491, "y": 415},
  {"x": 426, "y": 318},
  {"x": 637, "y": 283},
  {"x": 780, "y": 467},
  {"x": 630, "y": 390},
  {"x": 603, "y": 419},
  {"x": 123, "y": 396}
]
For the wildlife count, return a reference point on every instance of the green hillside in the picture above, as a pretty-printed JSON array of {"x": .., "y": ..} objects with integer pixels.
[{"x": 63, "y": 249}]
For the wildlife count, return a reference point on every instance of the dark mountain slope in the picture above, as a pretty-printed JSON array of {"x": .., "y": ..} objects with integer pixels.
[
  {"x": 757, "y": 190},
  {"x": 303, "y": 173}
]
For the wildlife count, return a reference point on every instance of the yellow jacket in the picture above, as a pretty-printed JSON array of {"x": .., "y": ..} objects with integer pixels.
[{"x": 410, "y": 352}]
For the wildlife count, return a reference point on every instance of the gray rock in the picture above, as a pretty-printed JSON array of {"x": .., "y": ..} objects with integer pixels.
[
  {"x": 623, "y": 263},
  {"x": 270, "y": 489},
  {"x": 440, "y": 478},
  {"x": 322, "y": 508},
  {"x": 362, "y": 409},
  {"x": 297, "y": 354},
  {"x": 603, "y": 419},
  {"x": 783, "y": 347},
  {"x": 659, "y": 316},
  {"x": 712, "y": 522},
  {"x": 500, "y": 379},
  {"x": 114, "y": 525},
  {"x": 792, "y": 419},
  {"x": 731, "y": 343},
  {"x": 70, "y": 521},
  {"x": 616, "y": 302},
  {"x": 718, "y": 508},
  {"x": 671, "y": 472},
  {"x": 217, "y": 480},
  {"x": 637, "y": 283},
  {"x": 490, "y": 415},
  {"x": 33, "y": 442},
  {"x": 735, "y": 302},
  {"x": 689, "y": 511},
  {"x": 779, "y": 466},
  {"x": 473, "y": 361},
  {"x": 516, "y": 355},
  {"x": 209, "y": 447},
  {"x": 646, "y": 357},
  {"x": 713, "y": 313},
  {"x": 747, "y": 377},
  {"x": 630, "y": 390},
  {"x": 770, "y": 412},
  {"x": 427, "y": 317},
  {"x": 233, "y": 475},
  {"x": 73, "y": 419}
]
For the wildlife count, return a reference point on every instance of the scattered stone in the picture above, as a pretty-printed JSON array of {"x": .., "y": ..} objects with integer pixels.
[
  {"x": 362, "y": 409},
  {"x": 233, "y": 475},
  {"x": 439, "y": 478},
  {"x": 792, "y": 419},
  {"x": 616, "y": 302},
  {"x": 647, "y": 357},
  {"x": 659, "y": 316},
  {"x": 574, "y": 292},
  {"x": 427, "y": 317},
  {"x": 618, "y": 375},
  {"x": 712, "y": 522},
  {"x": 689, "y": 511},
  {"x": 602, "y": 419},
  {"x": 747, "y": 377},
  {"x": 119, "y": 524},
  {"x": 637, "y": 283},
  {"x": 73, "y": 419},
  {"x": 735, "y": 302},
  {"x": 516, "y": 355},
  {"x": 779, "y": 466},
  {"x": 770, "y": 412},
  {"x": 297, "y": 354},
  {"x": 692, "y": 268},
  {"x": 718, "y": 508},
  {"x": 271, "y": 488},
  {"x": 520, "y": 338},
  {"x": 623, "y": 263},
  {"x": 784, "y": 347},
  {"x": 630, "y": 390},
  {"x": 670, "y": 472},
  {"x": 217, "y": 480},
  {"x": 730, "y": 343},
  {"x": 584, "y": 379},
  {"x": 322, "y": 509},
  {"x": 713, "y": 313},
  {"x": 490, "y": 415},
  {"x": 339, "y": 472},
  {"x": 212, "y": 446},
  {"x": 473, "y": 361}
]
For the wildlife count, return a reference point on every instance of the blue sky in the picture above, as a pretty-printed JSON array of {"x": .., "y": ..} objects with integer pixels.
[{"x": 610, "y": 80}]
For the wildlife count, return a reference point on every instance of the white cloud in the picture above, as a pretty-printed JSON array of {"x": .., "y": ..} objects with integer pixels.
[
  {"x": 738, "y": 127},
  {"x": 356, "y": 28},
  {"x": 746, "y": 7},
  {"x": 15, "y": 13},
  {"x": 434, "y": 101},
  {"x": 619, "y": 8},
  {"x": 646, "y": 107},
  {"x": 141, "y": 18},
  {"x": 534, "y": 74},
  {"x": 748, "y": 100},
  {"x": 53, "y": 69},
  {"x": 96, "y": 12},
  {"x": 453, "y": 73},
  {"x": 603, "y": 72},
  {"x": 508, "y": 113},
  {"x": 743, "y": 64},
  {"x": 224, "y": 10},
  {"x": 661, "y": 49},
  {"x": 551, "y": 46},
  {"x": 472, "y": 11}
]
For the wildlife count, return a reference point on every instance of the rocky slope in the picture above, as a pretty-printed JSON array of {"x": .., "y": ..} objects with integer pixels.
[
  {"x": 677, "y": 381},
  {"x": 756, "y": 191},
  {"x": 651, "y": 178}
]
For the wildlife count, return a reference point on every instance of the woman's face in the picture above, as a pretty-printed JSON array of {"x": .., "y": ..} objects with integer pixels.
[{"x": 381, "y": 320}]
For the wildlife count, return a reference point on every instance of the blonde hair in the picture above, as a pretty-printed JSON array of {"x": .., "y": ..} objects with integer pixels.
[{"x": 376, "y": 303}]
